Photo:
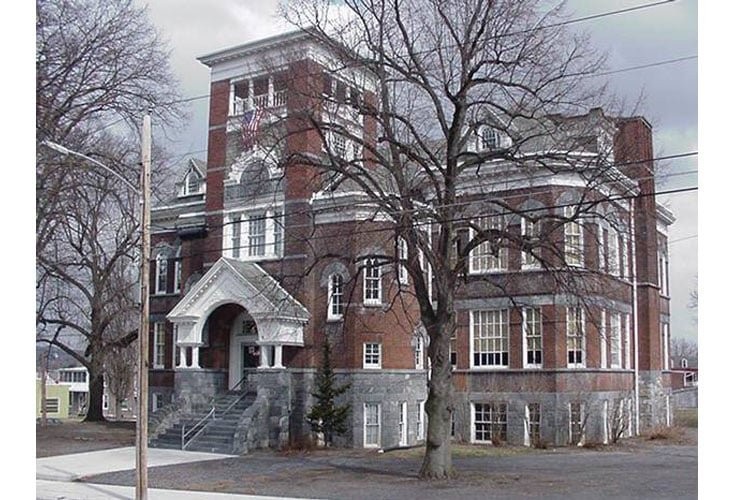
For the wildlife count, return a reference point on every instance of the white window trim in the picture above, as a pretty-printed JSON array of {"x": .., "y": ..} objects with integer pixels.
[
  {"x": 161, "y": 274},
  {"x": 613, "y": 252},
  {"x": 402, "y": 254},
  {"x": 331, "y": 315},
  {"x": 372, "y": 366},
  {"x": 616, "y": 324},
  {"x": 403, "y": 424},
  {"x": 177, "y": 272},
  {"x": 503, "y": 258},
  {"x": 420, "y": 421},
  {"x": 236, "y": 243},
  {"x": 568, "y": 248},
  {"x": 603, "y": 339},
  {"x": 159, "y": 331},
  {"x": 369, "y": 265},
  {"x": 526, "y": 364},
  {"x": 583, "y": 364},
  {"x": 528, "y": 260},
  {"x": 472, "y": 340},
  {"x": 365, "y": 425}
]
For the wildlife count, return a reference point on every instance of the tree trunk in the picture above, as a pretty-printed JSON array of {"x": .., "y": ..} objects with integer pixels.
[
  {"x": 437, "y": 462},
  {"x": 96, "y": 391}
]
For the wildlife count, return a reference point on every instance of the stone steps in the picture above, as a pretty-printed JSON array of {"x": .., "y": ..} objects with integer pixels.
[{"x": 218, "y": 434}]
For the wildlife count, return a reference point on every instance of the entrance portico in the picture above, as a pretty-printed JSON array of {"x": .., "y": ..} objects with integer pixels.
[{"x": 269, "y": 318}]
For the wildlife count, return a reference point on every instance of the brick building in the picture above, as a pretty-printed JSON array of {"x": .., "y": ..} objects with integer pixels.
[{"x": 259, "y": 257}]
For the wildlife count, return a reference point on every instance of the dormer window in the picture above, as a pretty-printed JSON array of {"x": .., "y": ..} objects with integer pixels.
[
  {"x": 488, "y": 138},
  {"x": 192, "y": 183}
]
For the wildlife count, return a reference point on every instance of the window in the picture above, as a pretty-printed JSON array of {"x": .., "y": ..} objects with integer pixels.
[
  {"x": 371, "y": 285},
  {"x": 105, "y": 401},
  {"x": 256, "y": 235},
  {"x": 236, "y": 235},
  {"x": 575, "y": 337},
  {"x": 573, "y": 241},
  {"x": 576, "y": 423},
  {"x": 613, "y": 252},
  {"x": 665, "y": 346},
  {"x": 602, "y": 329},
  {"x": 490, "y": 422},
  {"x": 488, "y": 256},
  {"x": 489, "y": 138},
  {"x": 159, "y": 344},
  {"x": 177, "y": 271},
  {"x": 52, "y": 405},
  {"x": 372, "y": 425},
  {"x": 335, "y": 309},
  {"x": 684, "y": 363},
  {"x": 402, "y": 252},
  {"x": 489, "y": 338},
  {"x": 157, "y": 401},
  {"x": 161, "y": 273},
  {"x": 533, "y": 419},
  {"x": 403, "y": 425},
  {"x": 532, "y": 338},
  {"x": 253, "y": 235},
  {"x": 531, "y": 232},
  {"x": 420, "y": 416},
  {"x": 419, "y": 351},
  {"x": 371, "y": 356},
  {"x": 615, "y": 350},
  {"x": 339, "y": 145}
]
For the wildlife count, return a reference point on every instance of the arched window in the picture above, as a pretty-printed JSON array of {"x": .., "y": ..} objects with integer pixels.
[
  {"x": 488, "y": 138},
  {"x": 335, "y": 308}
]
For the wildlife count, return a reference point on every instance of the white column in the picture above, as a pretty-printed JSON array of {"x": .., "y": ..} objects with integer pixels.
[
  {"x": 251, "y": 93},
  {"x": 270, "y": 91},
  {"x": 265, "y": 353},
  {"x": 182, "y": 357},
  {"x": 232, "y": 100},
  {"x": 195, "y": 357},
  {"x": 278, "y": 361}
]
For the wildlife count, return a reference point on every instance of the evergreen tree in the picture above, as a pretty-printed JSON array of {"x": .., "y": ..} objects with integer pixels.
[{"x": 325, "y": 416}]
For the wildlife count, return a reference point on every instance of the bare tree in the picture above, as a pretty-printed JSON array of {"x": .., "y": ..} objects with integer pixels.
[
  {"x": 98, "y": 64},
  {"x": 436, "y": 72},
  {"x": 120, "y": 369},
  {"x": 684, "y": 349}
]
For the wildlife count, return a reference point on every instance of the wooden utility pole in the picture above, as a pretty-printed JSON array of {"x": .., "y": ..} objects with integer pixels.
[{"x": 141, "y": 444}]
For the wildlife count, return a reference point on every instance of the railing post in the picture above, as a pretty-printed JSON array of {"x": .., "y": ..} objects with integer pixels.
[{"x": 182, "y": 435}]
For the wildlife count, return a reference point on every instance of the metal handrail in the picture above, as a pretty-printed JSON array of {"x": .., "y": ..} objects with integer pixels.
[
  {"x": 183, "y": 427},
  {"x": 184, "y": 434}
]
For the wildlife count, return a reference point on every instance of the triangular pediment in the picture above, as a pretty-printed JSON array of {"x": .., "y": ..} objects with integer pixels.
[{"x": 231, "y": 281}]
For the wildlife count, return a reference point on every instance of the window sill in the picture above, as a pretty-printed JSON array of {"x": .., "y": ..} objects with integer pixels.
[
  {"x": 370, "y": 367},
  {"x": 335, "y": 319},
  {"x": 487, "y": 368},
  {"x": 372, "y": 304}
]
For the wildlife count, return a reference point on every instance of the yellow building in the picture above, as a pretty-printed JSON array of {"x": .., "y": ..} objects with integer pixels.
[{"x": 57, "y": 399}]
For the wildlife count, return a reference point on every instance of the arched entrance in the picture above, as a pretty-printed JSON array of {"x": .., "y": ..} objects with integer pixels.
[{"x": 234, "y": 317}]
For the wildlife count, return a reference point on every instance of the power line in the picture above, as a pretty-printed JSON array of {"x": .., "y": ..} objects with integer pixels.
[
  {"x": 488, "y": 184},
  {"x": 590, "y": 204}
]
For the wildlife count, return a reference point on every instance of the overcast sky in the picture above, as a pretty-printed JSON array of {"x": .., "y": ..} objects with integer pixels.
[{"x": 669, "y": 31}]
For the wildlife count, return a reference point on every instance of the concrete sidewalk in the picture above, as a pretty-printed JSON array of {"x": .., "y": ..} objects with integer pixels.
[
  {"x": 57, "y": 477},
  {"x": 78, "y": 465},
  {"x": 55, "y": 490}
]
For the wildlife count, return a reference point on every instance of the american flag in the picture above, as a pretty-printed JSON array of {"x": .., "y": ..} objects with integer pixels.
[{"x": 250, "y": 123}]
